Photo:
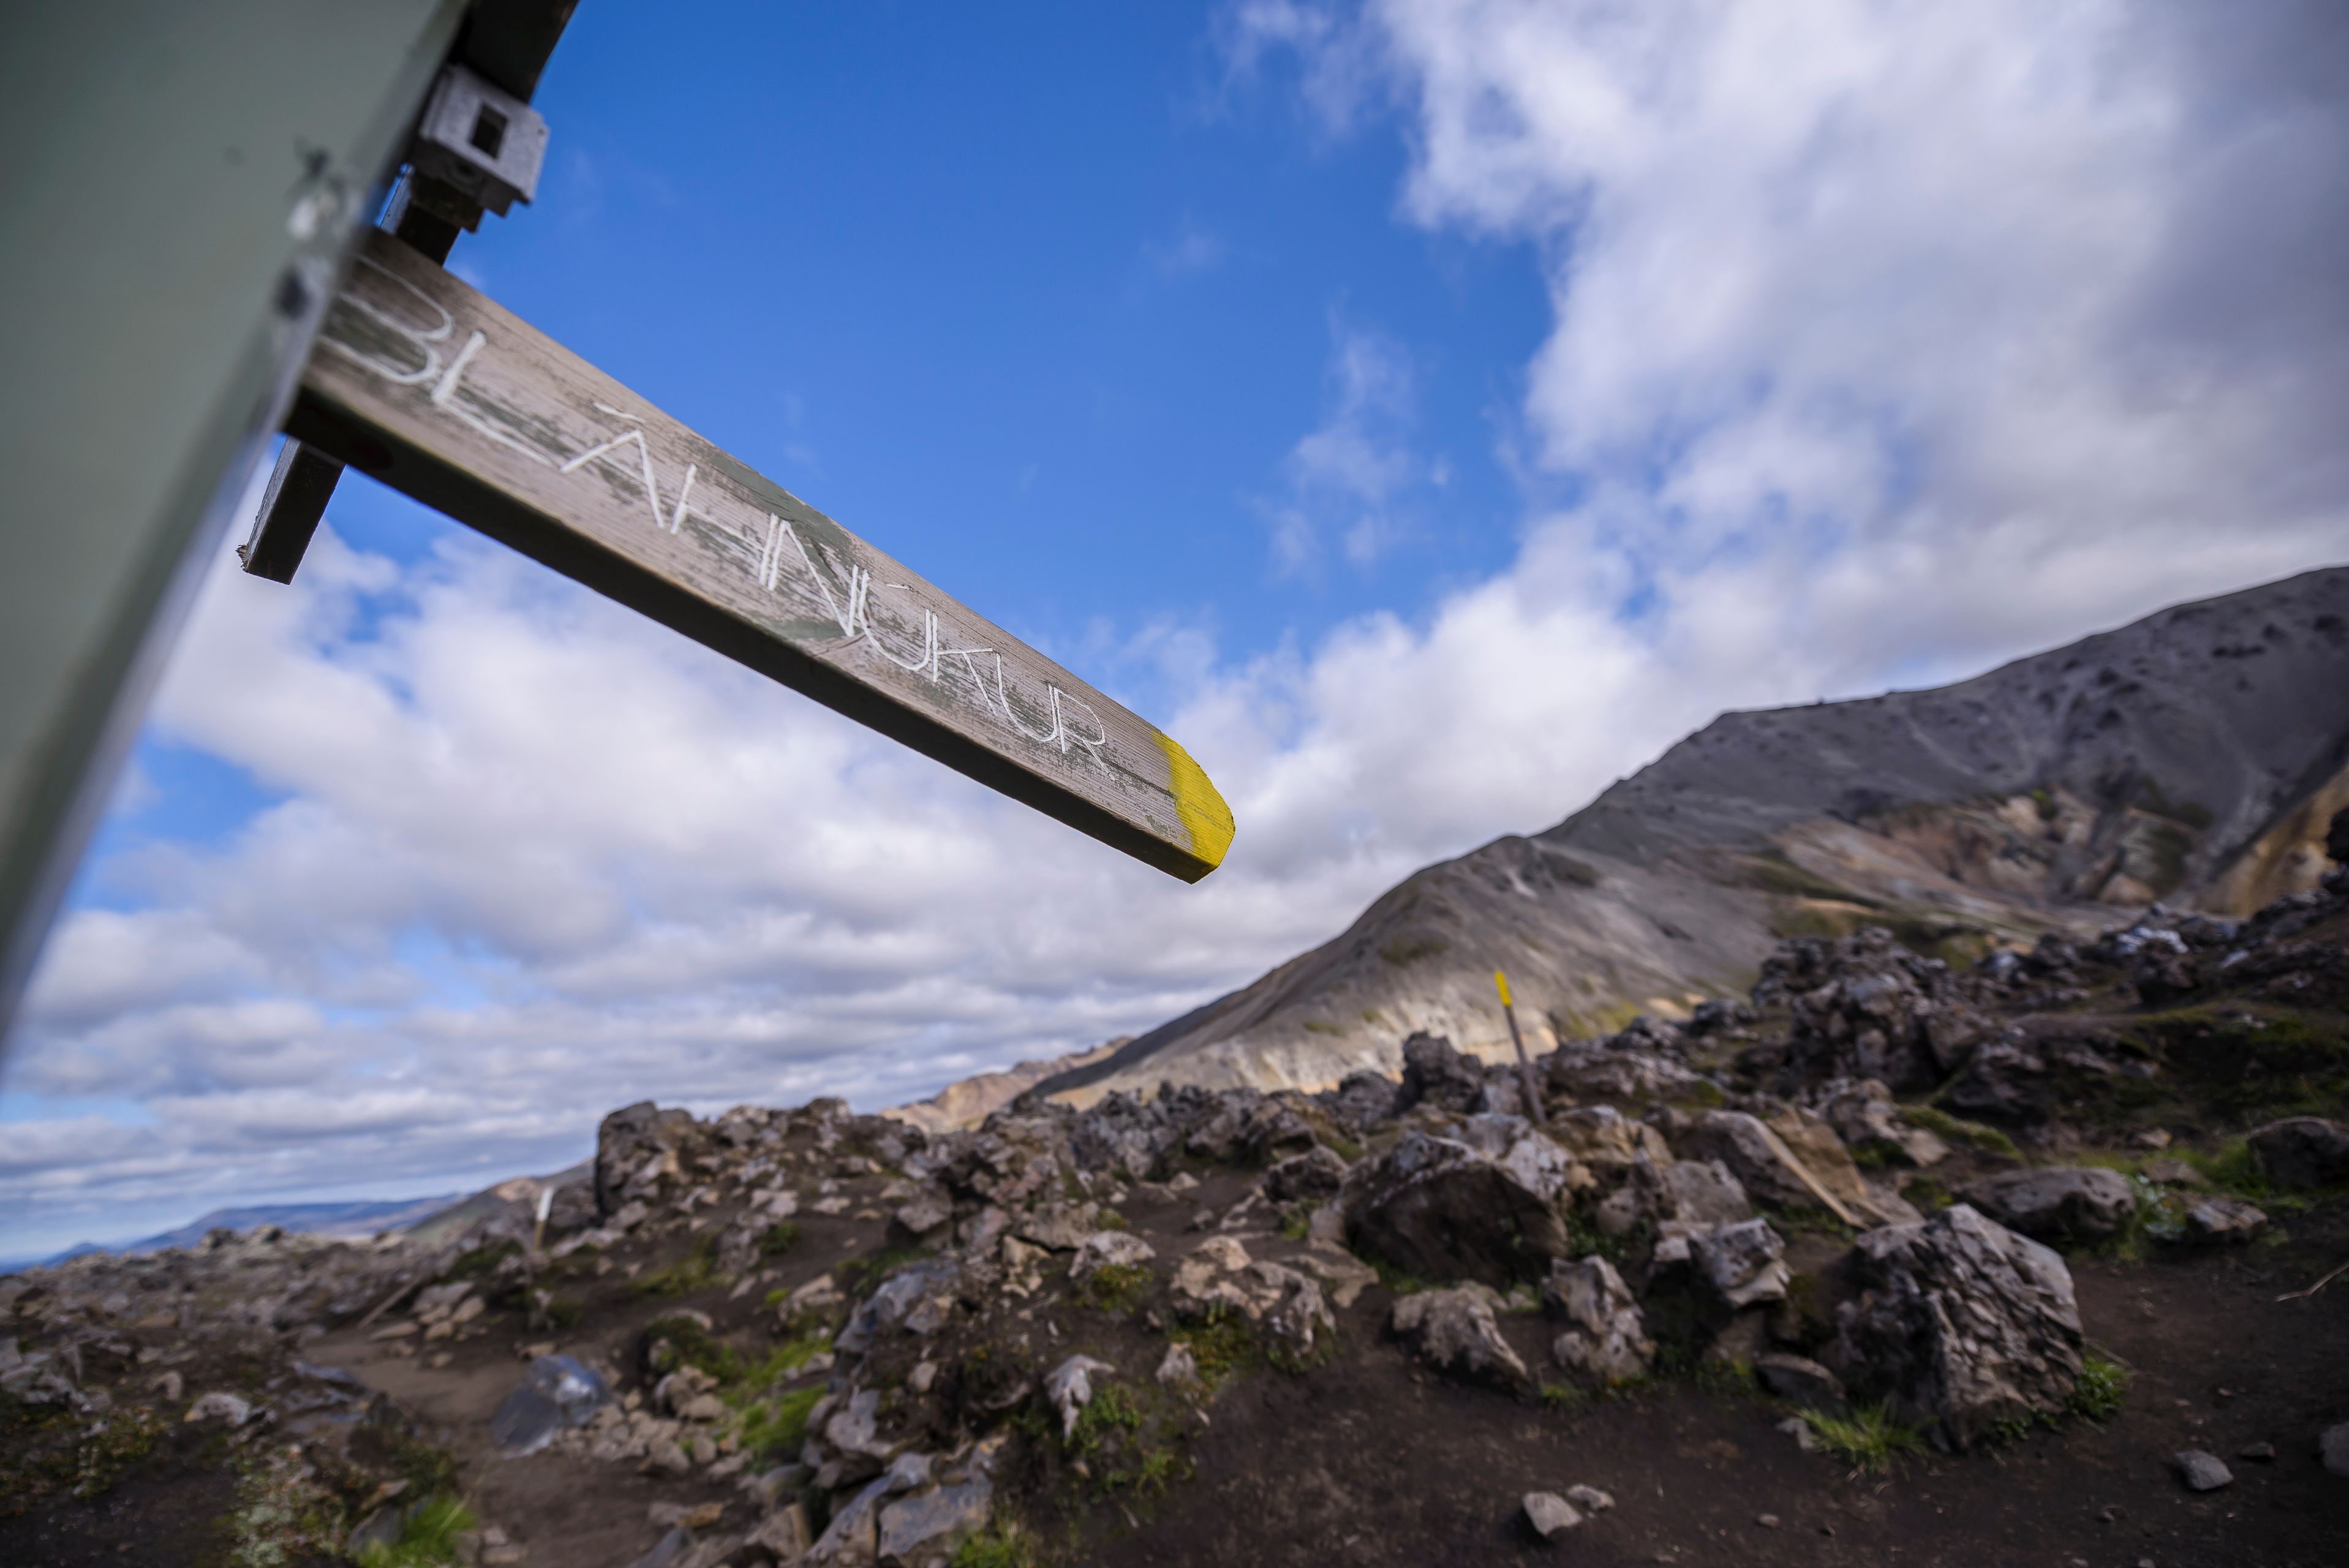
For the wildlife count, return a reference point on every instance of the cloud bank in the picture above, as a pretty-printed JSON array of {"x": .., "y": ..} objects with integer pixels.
[{"x": 1888, "y": 340}]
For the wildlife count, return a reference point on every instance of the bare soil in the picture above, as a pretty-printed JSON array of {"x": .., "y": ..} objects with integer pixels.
[{"x": 1369, "y": 1460}]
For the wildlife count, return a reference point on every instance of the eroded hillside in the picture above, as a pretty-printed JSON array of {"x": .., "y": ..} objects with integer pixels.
[{"x": 2193, "y": 758}]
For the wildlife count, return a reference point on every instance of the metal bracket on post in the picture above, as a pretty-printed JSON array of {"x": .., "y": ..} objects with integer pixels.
[
  {"x": 476, "y": 148},
  {"x": 484, "y": 144}
]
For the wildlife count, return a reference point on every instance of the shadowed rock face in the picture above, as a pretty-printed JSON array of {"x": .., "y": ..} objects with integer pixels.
[
  {"x": 1963, "y": 1325},
  {"x": 2198, "y": 757}
]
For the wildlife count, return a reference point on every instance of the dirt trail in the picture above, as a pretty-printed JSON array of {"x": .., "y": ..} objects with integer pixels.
[{"x": 1367, "y": 1462}]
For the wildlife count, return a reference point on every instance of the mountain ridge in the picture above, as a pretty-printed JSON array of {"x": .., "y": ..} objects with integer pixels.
[{"x": 2192, "y": 755}]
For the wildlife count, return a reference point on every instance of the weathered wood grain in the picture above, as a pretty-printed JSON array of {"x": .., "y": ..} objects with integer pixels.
[{"x": 419, "y": 381}]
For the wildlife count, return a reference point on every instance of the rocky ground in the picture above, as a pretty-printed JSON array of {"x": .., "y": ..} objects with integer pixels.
[{"x": 2019, "y": 1262}]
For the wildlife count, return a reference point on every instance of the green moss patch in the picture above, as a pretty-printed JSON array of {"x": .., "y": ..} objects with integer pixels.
[
  {"x": 1958, "y": 1130},
  {"x": 774, "y": 1429},
  {"x": 427, "y": 1538},
  {"x": 1118, "y": 1287},
  {"x": 859, "y": 1274},
  {"x": 1222, "y": 1348},
  {"x": 1868, "y": 1438},
  {"x": 2250, "y": 1062},
  {"x": 697, "y": 1270}
]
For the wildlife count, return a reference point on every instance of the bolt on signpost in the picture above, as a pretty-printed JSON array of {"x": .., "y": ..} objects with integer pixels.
[{"x": 1525, "y": 1065}]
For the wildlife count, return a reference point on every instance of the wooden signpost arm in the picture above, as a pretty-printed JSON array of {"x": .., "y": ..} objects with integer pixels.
[{"x": 420, "y": 382}]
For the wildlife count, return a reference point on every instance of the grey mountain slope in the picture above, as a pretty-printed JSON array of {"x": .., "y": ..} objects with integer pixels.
[{"x": 2192, "y": 755}]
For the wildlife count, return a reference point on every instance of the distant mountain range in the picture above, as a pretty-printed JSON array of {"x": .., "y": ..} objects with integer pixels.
[
  {"x": 357, "y": 1219},
  {"x": 2194, "y": 756},
  {"x": 968, "y": 1101}
]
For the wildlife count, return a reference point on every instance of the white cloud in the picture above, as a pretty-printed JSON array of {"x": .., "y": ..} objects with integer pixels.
[
  {"x": 1941, "y": 330},
  {"x": 1192, "y": 249},
  {"x": 1889, "y": 340},
  {"x": 1351, "y": 475}
]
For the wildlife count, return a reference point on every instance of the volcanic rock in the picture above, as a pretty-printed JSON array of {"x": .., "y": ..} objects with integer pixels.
[
  {"x": 1109, "y": 1248},
  {"x": 1603, "y": 1336},
  {"x": 1961, "y": 1324},
  {"x": 2224, "y": 1220},
  {"x": 2057, "y": 1203},
  {"x": 1070, "y": 1388},
  {"x": 1744, "y": 1263},
  {"x": 1866, "y": 1117},
  {"x": 1434, "y": 1074},
  {"x": 1864, "y": 1006},
  {"x": 1550, "y": 1514},
  {"x": 1445, "y": 1209},
  {"x": 1456, "y": 1331},
  {"x": 1218, "y": 1277},
  {"x": 1317, "y": 1173},
  {"x": 2303, "y": 1151},
  {"x": 2202, "y": 1472},
  {"x": 1800, "y": 1381}
]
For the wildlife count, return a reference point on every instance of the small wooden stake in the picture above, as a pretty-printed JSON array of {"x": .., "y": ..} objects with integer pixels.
[{"x": 1524, "y": 1063}]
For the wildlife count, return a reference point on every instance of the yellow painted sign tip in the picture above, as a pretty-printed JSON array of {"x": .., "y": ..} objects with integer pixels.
[
  {"x": 1197, "y": 803},
  {"x": 1501, "y": 983}
]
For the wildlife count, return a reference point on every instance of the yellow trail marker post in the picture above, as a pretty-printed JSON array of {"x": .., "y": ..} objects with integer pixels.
[{"x": 1524, "y": 1063}]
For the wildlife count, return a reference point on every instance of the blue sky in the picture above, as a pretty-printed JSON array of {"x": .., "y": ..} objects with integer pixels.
[
  {"x": 1041, "y": 300},
  {"x": 1427, "y": 410}
]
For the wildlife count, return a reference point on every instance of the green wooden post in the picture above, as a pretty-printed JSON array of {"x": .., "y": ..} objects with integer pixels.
[{"x": 184, "y": 182}]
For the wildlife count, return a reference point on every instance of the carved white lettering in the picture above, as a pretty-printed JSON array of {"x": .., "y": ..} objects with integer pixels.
[{"x": 1068, "y": 719}]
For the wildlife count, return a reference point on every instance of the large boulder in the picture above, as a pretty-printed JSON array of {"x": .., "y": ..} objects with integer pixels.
[
  {"x": 2057, "y": 1203},
  {"x": 2303, "y": 1151},
  {"x": 2028, "y": 1077},
  {"x": 1217, "y": 1279},
  {"x": 1280, "y": 1126},
  {"x": 1456, "y": 1331},
  {"x": 1317, "y": 1173},
  {"x": 2216, "y": 1221},
  {"x": 1959, "y": 1324},
  {"x": 1794, "y": 1160},
  {"x": 1864, "y": 1006},
  {"x": 929, "y": 1525},
  {"x": 1601, "y": 1333},
  {"x": 1434, "y": 1074},
  {"x": 639, "y": 1150},
  {"x": 1445, "y": 1209},
  {"x": 1361, "y": 1101}
]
